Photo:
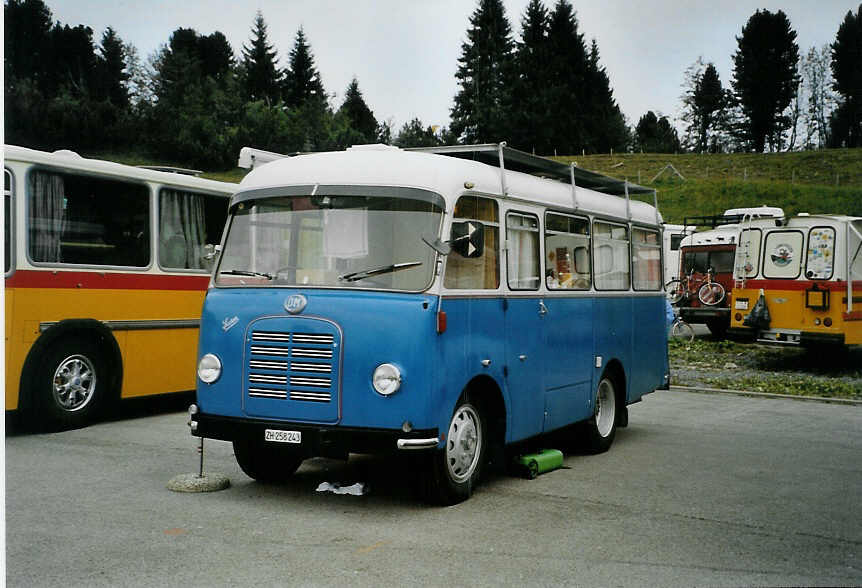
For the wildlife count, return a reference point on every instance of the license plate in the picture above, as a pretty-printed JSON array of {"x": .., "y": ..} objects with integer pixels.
[
  {"x": 277, "y": 436},
  {"x": 741, "y": 304}
]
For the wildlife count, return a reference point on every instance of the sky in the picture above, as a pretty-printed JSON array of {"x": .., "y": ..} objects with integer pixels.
[{"x": 404, "y": 52}]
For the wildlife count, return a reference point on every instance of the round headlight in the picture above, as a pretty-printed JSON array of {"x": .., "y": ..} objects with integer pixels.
[
  {"x": 209, "y": 368},
  {"x": 386, "y": 379}
]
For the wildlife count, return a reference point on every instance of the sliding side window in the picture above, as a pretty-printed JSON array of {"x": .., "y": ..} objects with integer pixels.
[
  {"x": 567, "y": 252},
  {"x": 646, "y": 260},
  {"x": 611, "y": 247}
]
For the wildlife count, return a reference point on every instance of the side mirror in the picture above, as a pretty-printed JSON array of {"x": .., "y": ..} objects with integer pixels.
[
  {"x": 211, "y": 251},
  {"x": 468, "y": 239}
]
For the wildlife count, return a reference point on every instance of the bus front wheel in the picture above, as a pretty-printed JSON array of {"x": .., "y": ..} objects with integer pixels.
[
  {"x": 455, "y": 470},
  {"x": 598, "y": 432},
  {"x": 70, "y": 387},
  {"x": 266, "y": 462}
]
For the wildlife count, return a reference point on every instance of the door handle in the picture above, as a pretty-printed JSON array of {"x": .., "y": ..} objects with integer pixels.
[{"x": 543, "y": 310}]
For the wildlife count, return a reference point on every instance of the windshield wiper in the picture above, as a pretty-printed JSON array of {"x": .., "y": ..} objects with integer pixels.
[
  {"x": 361, "y": 275},
  {"x": 237, "y": 272}
]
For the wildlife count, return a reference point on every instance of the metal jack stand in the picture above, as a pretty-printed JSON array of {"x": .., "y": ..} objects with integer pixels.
[{"x": 198, "y": 482}]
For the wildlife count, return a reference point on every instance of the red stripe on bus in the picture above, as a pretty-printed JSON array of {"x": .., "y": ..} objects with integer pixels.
[
  {"x": 104, "y": 281},
  {"x": 799, "y": 285}
]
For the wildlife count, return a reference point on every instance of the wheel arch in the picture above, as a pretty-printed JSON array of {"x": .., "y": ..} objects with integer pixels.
[
  {"x": 617, "y": 373},
  {"x": 484, "y": 391},
  {"x": 92, "y": 329}
]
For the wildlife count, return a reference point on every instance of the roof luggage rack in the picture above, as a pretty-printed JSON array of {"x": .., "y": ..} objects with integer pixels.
[
  {"x": 714, "y": 220},
  {"x": 500, "y": 155}
]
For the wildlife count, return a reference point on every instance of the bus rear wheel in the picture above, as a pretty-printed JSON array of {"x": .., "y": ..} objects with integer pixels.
[
  {"x": 69, "y": 387},
  {"x": 266, "y": 462},
  {"x": 456, "y": 469},
  {"x": 598, "y": 432}
]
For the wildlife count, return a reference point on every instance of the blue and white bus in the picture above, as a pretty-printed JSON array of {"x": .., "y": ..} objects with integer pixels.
[{"x": 385, "y": 300}]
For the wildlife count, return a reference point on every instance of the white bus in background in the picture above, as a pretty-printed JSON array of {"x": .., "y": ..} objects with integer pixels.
[{"x": 673, "y": 236}]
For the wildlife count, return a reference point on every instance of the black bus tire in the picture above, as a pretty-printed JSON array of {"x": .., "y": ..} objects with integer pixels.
[
  {"x": 597, "y": 433},
  {"x": 266, "y": 462},
  {"x": 70, "y": 386},
  {"x": 455, "y": 470}
]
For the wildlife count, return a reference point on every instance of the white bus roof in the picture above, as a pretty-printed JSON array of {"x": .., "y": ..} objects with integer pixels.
[
  {"x": 756, "y": 211},
  {"x": 448, "y": 176},
  {"x": 69, "y": 160}
]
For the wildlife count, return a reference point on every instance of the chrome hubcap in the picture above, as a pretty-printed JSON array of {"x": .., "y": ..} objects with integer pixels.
[
  {"x": 74, "y": 383},
  {"x": 606, "y": 406},
  {"x": 463, "y": 443}
]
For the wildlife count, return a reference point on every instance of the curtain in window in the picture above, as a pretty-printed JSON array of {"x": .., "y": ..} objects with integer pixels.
[
  {"x": 181, "y": 230},
  {"x": 345, "y": 233},
  {"x": 47, "y": 216},
  {"x": 523, "y": 260}
]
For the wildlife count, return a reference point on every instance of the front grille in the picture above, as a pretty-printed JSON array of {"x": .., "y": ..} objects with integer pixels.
[{"x": 297, "y": 366}]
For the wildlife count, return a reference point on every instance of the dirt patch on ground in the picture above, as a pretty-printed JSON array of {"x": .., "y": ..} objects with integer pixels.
[{"x": 834, "y": 372}]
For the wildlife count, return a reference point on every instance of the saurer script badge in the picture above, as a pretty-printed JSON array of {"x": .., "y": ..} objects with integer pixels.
[{"x": 295, "y": 303}]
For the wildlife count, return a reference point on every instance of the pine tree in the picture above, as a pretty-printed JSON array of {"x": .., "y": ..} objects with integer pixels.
[
  {"x": 112, "y": 65},
  {"x": 532, "y": 122},
  {"x": 604, "y": 123},
  {"x": 302, "y": 83},
  {"x": 261, "y": 78},
  {"x": 847, "y": 70},
  {"x": 358, "y": 114},
  {"x": 27, "y": 28},
  {"x": 479, "y": 113},
  {"x": 656, "y": 135},
  {"x": 704, "y": 104},
  {"x": 568, "y": 95},
  {"x": 765, "y": 78}
]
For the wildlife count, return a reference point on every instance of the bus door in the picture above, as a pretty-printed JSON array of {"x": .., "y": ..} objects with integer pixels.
[
  {"x": 568, "y": 323},
  {"x": 525, "y": 314}
]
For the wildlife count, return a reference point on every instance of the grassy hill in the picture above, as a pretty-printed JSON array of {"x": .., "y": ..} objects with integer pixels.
[{"x": 827, "y": 181}]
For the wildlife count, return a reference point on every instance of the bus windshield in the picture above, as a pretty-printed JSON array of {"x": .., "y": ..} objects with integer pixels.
[{"x": 369, "y": 242}]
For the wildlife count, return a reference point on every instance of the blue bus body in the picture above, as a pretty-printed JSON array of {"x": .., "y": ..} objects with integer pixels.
[{"x": 302, "y": 360}]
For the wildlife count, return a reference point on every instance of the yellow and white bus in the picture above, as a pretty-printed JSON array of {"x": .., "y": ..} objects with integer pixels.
[
  {"x": 105, "y": 271},
  {"x": 806, "y": 274}
]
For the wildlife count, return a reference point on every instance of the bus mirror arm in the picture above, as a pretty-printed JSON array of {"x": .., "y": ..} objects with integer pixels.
[{"x": 441, "y": 247}]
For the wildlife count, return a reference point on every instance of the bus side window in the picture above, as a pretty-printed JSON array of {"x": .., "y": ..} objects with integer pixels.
[
  {"x": 187, "y": 223},
  {"x": 646, "y": 260},
  {"x": 479, "y": 273},
  {"x": 612, "y": 256},
  {"x": 522, "y": 254},
  {"x": 820, "y": 257},
  {"x": 80, "y": 219},
  {"x": 7, "y": 222},
  {"x": 567, "y": 252}
]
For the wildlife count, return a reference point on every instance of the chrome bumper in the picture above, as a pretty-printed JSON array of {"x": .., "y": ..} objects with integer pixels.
[{"x": 417, "y": 443}]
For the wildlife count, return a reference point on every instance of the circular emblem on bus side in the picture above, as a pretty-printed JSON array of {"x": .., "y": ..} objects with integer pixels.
[{"x": 295, "y": 303}]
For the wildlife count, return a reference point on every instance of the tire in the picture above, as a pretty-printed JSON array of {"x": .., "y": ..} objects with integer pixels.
[
  {"x": 676, "y": 291},
  {"x": 597, "y": 433},
  {"x": 266, "y": 462},
  {"x": 718, "y": 327},
  {"x": 456, "y": 469},
  {"x": 711, "y": 294},
  {"x": 70, "y": 387},
  {"x": 682, "y": 331}
]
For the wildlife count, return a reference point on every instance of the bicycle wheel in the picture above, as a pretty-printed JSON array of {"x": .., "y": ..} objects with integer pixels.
[
  {"x": 682, "y": 331},
  {"x": 676, "y": 291},
  {"x": 711, "y": 293}
]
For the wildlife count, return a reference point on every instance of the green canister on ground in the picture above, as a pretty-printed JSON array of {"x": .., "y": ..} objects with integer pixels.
[{"x": 545, "y": 460}]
